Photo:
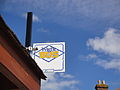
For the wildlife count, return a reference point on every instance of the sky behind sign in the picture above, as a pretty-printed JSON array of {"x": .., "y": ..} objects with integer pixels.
[{"x": 90, "y": 28}]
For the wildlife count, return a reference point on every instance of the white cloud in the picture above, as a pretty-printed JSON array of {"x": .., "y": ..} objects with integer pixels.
[
  {"x": 63, "y": 75},
  {"x": 112, "y": 64},
  {"x": 59, "y": 82},
  {"x": 75, "y": 13},
  {"x": 109, "y": 43},
  {"x": 90, "y": 8},
  {"x": 34, "y": 18},
  {"x": 88, "y": 57},
  {"x": 92, "y": 56},
  {"x": 43, "y": 30}
]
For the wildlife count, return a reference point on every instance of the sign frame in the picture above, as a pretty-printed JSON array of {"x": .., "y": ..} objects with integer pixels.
[{"x": 59, "y": 61}]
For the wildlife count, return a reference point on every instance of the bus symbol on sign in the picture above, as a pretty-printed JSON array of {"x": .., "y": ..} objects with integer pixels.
[{"x": 49, "y": 53}]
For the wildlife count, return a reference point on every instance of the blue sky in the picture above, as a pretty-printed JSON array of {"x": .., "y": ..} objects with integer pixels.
[{"x": 90, "y": 28}]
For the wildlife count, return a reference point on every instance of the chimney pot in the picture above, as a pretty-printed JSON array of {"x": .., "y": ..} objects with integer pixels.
[
  {"x": 103, "y": 81},
  {"x": 99, "y": 82}
]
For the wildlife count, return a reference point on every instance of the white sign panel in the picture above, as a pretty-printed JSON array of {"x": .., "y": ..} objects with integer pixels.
[{"x": 50, "y": 57}]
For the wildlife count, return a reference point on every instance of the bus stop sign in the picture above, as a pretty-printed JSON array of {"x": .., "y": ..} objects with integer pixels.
[{"x": 50, "y": 57}]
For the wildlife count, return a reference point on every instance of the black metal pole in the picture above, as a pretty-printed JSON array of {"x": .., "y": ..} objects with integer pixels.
[{"x": 28, "y": 29}]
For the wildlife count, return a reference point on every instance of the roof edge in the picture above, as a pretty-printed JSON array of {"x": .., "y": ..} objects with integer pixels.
[{"x": 10, "y": 35}]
